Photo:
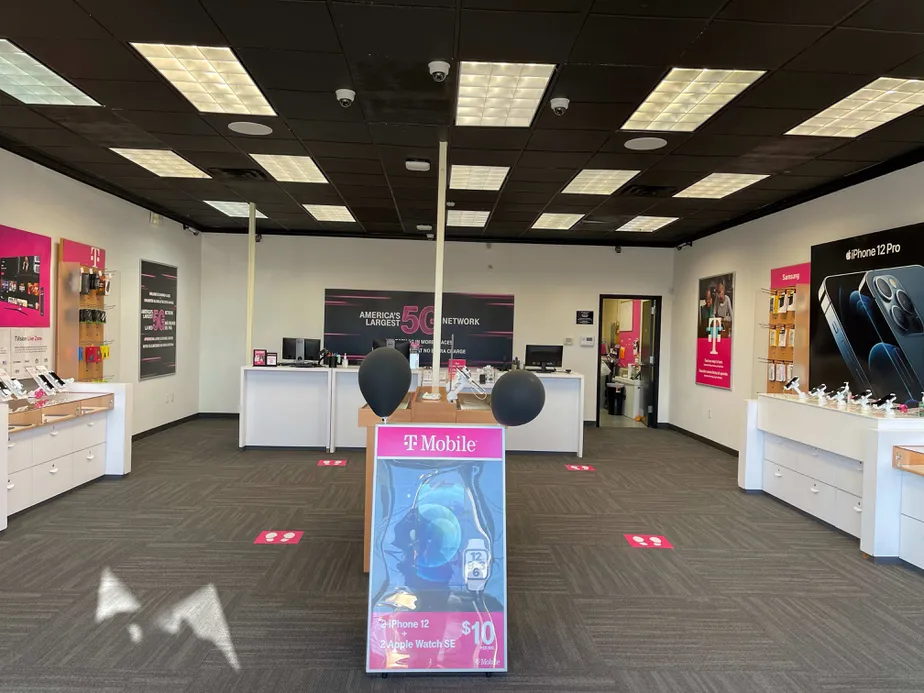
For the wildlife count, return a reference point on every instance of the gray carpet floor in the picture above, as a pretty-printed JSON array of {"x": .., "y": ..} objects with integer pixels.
[{"x": 755, "y": 596}]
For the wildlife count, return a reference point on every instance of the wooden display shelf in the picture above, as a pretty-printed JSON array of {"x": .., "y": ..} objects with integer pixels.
[
  {"x": 909, "y": 459},
  {"x": 35, "y": 415}
]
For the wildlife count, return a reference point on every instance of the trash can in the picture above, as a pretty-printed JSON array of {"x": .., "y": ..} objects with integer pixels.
[{"x": 620, "y": 397}]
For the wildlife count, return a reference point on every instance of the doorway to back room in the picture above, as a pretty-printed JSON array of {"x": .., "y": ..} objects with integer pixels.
[{"x": 629, "y": 346}]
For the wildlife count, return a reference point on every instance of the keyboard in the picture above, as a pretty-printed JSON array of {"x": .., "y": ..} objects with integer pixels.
[{"x": 302, "y": 364}]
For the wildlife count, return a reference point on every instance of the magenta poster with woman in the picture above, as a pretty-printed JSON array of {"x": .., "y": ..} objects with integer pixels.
[{"x": 25, "y": 278}]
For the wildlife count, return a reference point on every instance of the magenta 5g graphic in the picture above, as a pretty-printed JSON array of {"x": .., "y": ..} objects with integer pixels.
[{"x": 414, "y": 319}]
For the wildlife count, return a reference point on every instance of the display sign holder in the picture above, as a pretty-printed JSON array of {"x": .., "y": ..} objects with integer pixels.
[{"x": 438, "y": 573}]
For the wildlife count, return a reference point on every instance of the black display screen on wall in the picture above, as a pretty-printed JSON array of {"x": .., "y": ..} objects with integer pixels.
[{"x": 158, "y": 320}]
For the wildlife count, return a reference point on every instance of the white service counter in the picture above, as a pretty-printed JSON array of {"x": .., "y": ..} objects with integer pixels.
[
  {"x": 318, "y": 408},
  {"x": 836, "y": 464}
]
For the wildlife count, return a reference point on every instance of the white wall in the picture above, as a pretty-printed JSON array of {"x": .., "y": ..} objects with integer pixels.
[
  {"x": 550, "y": 283},
  {"x": 38, "y": 200},
  {"x": 752, "y": 250}
]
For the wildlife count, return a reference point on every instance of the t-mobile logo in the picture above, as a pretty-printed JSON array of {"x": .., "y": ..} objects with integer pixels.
[
  {"x": 94, "y": 256},
  {"x": 410, "y": 442},
  {"x": 714, "y": 336}
]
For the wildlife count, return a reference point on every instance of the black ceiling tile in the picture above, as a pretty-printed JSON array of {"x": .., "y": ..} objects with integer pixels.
[
  {"x": 797, "y": 146},
  {"x": 859, "y": 51},
  {"x": 577, "y": 204},
  {"x": 625, "y": 161},
  {"x": 51, "y": 19},
  {"x": 88, "y": 153},
  {"x": 327, "y": 131},
  {"x": 568, "y": 140},
  {"x": 76, "y": 58},
  {"x": 258, "y": 192},
  {"x": 466, "y": 137},
  {"x": 517, "y": 197},
  {"x": 573, "y": 161},
  {"x": 156, "y": 21},
  {"x": 15, "y": 116},
  {"x": 473, "y": 199},
  {"x": 172, "y": 123},
  {"x": 704, "y": 164},
  {"x": 358, "y": 201},
  {"x": 204, "y": 189},
  {"x": 197, "y": 143},
  {"x": 763, "y": 195},
  {"x": 296, "y": 70},
  {"x": 330, "y": 165},
  {"x": 359, "y": 179},
  {"x": 161, "y": 194},
  {"x": 634, "y": 40},
  {"x": 102, "y": 127},
  {"x": 825, "y": 12},
  {"x": 140, "y": 96},
  {"x": 735, "y": 204},
  {"x": 585, "y": 116},
  {"x": 401, "y": 91},
  {"x": 523, "y": 207},
  {"x": 829, "y": 168},
  {"x": 51, "y": 136},
  {"x": 341, "y": 150},
  {"x": 312, "y": 105},
  {"x": 350, "y": 192},
  {"x": 676, "y": 207},
  {"x": 219, "y": 123},
  {"x": 748, "y": 45},
  {"x": 549, "y": 188},
  {"x": 871, "y": 150},
  {"x": 791, "y": 183},
  {"x": 275, "y": 24},
  {"x": 404, "y": 135},
  {"x": 411, "y": 180},
  {"x": 395, "y": 32},
  {"x": 518, "y": 36},
  {"x": 738, "y": 120},
  {"x": 606, "y": 83},
  {"x": 889, "y": 15},
  {"x": 667, "y": 178},
  {"x": 812, "y": 90},
  {"x": 394, "y": 157},
  {"x": 619, "y": 207},
  {"x": 206, "y": 160},
  {"x": 702, "y": 144},
  {"x": 540, "y": 175},
  {"x": 909, "y": 128},
  {"x": 617, "y": 141},
  {"x": 266, "y": 145},
  {"x": 374, "y": 214},
  {"x": 487, "y": 157},
  {"x": 766, "y": 164},
  {"x": 306, "y": 193},
  {"x": 711, "y": 214},
  {"x": 419, "y": 194},
  {"x": 528, "y": 5},
  {"x": 513, "y": 217},
  {"x": 117, "y": 170},
  {"x": 660, "y": 8}
]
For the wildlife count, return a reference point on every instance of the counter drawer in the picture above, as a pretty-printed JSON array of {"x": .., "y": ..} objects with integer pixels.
[
  {"x": 848, "y": 513},
  {"x": 51, "y": 442},
  {"x": 89, "y": 431},
  {"x": 51, "y": 478},
  {"x": 911, "y": 546},
  {"x": 810, "y": 495},
  {"x": 913, "y": 496},
  {"x": 19, "y": 491},
  {"x": 19, "y": 451},
  {"x": 827, "y": 467},
  {"x": 89, "y": 464}
]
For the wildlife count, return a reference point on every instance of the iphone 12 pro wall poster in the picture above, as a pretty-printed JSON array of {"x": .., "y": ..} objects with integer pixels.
[{"x": 867, "y": 313}]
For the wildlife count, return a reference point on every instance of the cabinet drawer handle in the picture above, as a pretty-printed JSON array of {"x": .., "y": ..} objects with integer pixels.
[
  {"x": 10, "y": 445},
  {"x": 857, "y": 509},
  {"x": 777, "y": 474},
  {"x": 91, "y": 424},
  {"x": 10, "y": 486},
  {"x": 91, "y": 456},
  {"x": 54, "y": 433},
  {"x": 814, "y": 490},
  {"x": 53, "y": 471}
]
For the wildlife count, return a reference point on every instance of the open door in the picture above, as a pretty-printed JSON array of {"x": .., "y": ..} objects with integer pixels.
[{"x": 648, "y": 363}]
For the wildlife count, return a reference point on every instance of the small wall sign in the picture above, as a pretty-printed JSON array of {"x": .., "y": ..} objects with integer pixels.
[{"x": 585, "y": 317}]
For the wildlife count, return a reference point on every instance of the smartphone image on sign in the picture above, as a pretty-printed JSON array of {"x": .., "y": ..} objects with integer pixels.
[
  {"x": 874, "y": 360},
  {"x": 898, "y": 296}
]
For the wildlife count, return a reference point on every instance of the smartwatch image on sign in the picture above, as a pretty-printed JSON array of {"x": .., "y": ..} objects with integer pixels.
[{"x": 476, "y": 564}]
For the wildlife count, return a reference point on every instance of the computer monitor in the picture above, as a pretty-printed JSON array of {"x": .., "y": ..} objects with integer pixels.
[
  {"x": 298, "y": 349},
  {"x": 404, "y": 346},
  {"x": 544, "y": 357}
]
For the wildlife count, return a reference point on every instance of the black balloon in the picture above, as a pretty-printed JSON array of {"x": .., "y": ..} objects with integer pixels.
[
  {"x": 517, "y": 398},
  {"x": 384, "y": 380}
]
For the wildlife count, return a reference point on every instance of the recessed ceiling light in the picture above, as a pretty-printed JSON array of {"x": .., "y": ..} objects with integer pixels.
[
  {"x": 551, "y": 220},
  {"x": 599, "y": 181},
  {"x": 245, "y": 127},
  {"x": 212, "y": 78},
  {"x": 466, "y": 217},
  {"x": 500, "y": 94},
  {"x": 290, "y": 169},
  {"x": 234, "y": 209},
  {"x": 686, "y": 98},
  {"x": 875, "y": 104},
  {"x": 646, "y": 144},
  {"x": 477, "y": 177},
  {"x": 719, "y": 185},
  {"x": 330, "y": 213},
  {"x": 163, "y": 162},
  {"x": 27, "y": 80},
  {"x": 647, "y": 224}
]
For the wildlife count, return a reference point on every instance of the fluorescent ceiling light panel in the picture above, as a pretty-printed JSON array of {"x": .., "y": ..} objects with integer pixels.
[
  {"x": 647, "y": 224},
  {"x": 162, "y": 162},
  {"x": 330, "y": 213},
  {"x": 27, "y": 80},
  {"x": 477, "y": 177},
  {"x": 467, "y": 217},
  {"x": 719, "y": 185},
  {"x": 875, "y": 104},
  {"x": 687, "y": 98},
  {"x": 500, "y": 94},
  {"x": 557, "y": 221},
  {"x": 213, "y": 79},
  {"x": 599, "y": 181},
  {"x": 234, "y": 209},
  {"x": 290, "y": 169}
]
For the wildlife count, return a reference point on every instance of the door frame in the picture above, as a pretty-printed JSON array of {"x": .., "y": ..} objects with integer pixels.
[{"x": 655, "y": 351}]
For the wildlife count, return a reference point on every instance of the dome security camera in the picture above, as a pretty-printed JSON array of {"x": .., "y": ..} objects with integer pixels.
[
  {"x": 439, "y": 70},
  {"x": 346, "y": 97},
  {"x": 559, "y": 106}
]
